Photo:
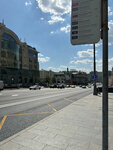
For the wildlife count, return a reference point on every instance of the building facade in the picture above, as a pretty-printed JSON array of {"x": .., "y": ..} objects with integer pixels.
[
  {"x": 111, "y": 79},
  {"x": 60, "y": 77},
  {"x": 18, "y": 61},
  {"x": 46, "y": 77},
  {"x": 79, "y": 78}
]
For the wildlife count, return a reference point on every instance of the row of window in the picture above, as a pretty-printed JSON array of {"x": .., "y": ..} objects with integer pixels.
[
  {"x": 5, "y": 44},
  {"x": 32, "y": 67},
  {"x": 32, "y": 53},
  {"x": 10, "y": 55},
  {"x": 9, "y": 63}
]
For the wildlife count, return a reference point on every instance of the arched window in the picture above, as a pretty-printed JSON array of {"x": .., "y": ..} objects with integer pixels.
[
  {"x": 8, "y": 42},
  {"x": 11, "y": 50},
  {"x": 8, "y": 37}
]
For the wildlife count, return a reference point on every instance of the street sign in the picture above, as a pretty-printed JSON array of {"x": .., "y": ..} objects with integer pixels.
[
  {"x": 85, "y": 21},
  {"x": 94, "y": 77}
]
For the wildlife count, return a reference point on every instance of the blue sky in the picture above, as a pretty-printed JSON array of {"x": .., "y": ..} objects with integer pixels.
[{"x": 45, "y": 25}]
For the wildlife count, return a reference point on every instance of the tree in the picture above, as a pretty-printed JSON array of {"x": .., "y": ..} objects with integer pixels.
[
  {"x": 53, "y": 80},
  {"x": 47, "y": 79}
]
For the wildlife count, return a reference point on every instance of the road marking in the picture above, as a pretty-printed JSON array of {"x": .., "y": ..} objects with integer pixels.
[
  {"x": 68, "y": 100},
  {"x": 15, "y": 95},
  {"x": 29, "y": 114},
  {"x": 52, "y": 107},
  {"x": 28, "y": 101},
  {"x": 12, "y": 115},
  {"x": 2, "y": 122}
]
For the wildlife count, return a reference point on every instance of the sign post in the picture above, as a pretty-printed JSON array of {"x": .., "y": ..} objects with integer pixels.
[
  {"x": 105, "y": 75},
  {"x": 87, "y": 18},
  {"x": 94, "y": 89}
]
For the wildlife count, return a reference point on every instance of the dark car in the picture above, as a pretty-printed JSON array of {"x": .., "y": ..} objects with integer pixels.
[
  {"x": 35, "y": 87},
  {"x": 53, "y": 86}
]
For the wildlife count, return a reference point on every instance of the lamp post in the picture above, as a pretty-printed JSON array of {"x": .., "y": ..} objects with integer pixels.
[{"x": 94, "y": 89}]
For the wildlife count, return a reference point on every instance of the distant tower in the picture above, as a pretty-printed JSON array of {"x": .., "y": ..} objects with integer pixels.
[{"x": 67, "y": 70}]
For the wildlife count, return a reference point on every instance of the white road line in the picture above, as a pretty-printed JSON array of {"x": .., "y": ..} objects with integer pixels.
[
  {"x": 26, "y": 101},
  {"x": 15, "y": 95}
]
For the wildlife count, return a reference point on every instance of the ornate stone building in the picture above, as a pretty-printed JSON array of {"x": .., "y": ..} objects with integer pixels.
[
  {"x": 18, "y": 61},
  {"x": 79, "y": 78}
]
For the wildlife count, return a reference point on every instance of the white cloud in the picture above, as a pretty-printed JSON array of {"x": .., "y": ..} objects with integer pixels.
[
  {"x": 52, "y": 32},
  {"x": 60, "y": 68},
  {"x": 40, "y": 55},
  {"x": 110, "y": 35},
  {"x": 28, "y": 3},
  {"x": 86, "y": 65},
  {"x": 65, "y": 29},
  {"x": 63, "y": 67},
  {"x": 110, "y": 23},
  {"x": 110, "y": 12},
  {"x": 41, "y": 18},
  {"x": 44, "y": 59},
  {"x": 111, "y": 60},
  {"x": 87, "y": 70},
  {"x": 83, "y": 61},
  {"x": 99, "y": 43},
  {"x": 87, "y": 53},
  {"x": 99, "y": 64},
  {"x": 51, "y": 68},
  {"x": 55, "y": 19},
  {"x": 55, "y": 7}
]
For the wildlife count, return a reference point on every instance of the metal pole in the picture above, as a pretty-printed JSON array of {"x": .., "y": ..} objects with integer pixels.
[
  {"x": 94, "y": 89},
  {"x": 105, "y": 77}
]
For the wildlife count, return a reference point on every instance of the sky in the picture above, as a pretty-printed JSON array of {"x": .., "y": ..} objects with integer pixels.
[{"x": 45, "y": 25}]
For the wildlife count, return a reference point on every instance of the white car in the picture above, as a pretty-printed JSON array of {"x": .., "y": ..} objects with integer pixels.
[
  {"x": 1, "y": 85},
  {"x": 35, "y": 87}
]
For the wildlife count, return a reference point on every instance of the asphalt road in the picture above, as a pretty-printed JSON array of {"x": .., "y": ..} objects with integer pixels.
[{"x": 23, "y": 107}]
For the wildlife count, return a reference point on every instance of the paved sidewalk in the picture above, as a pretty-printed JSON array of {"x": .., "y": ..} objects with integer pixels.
[{"x": 75, "y": 127}]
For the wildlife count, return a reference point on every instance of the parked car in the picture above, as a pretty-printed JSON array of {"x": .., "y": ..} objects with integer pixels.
[
  {"x": 53, "y": 86},
  {"x": 1, "y": 85},
  {"x": 72, "y": 86},
  {"x": 83, "y": 86},
  {"x": 35, "y": 87},
  {"x": 67, "y": 86},
  {"x": 60, "y": 86},
  {"x": 89, "y": 86}
]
